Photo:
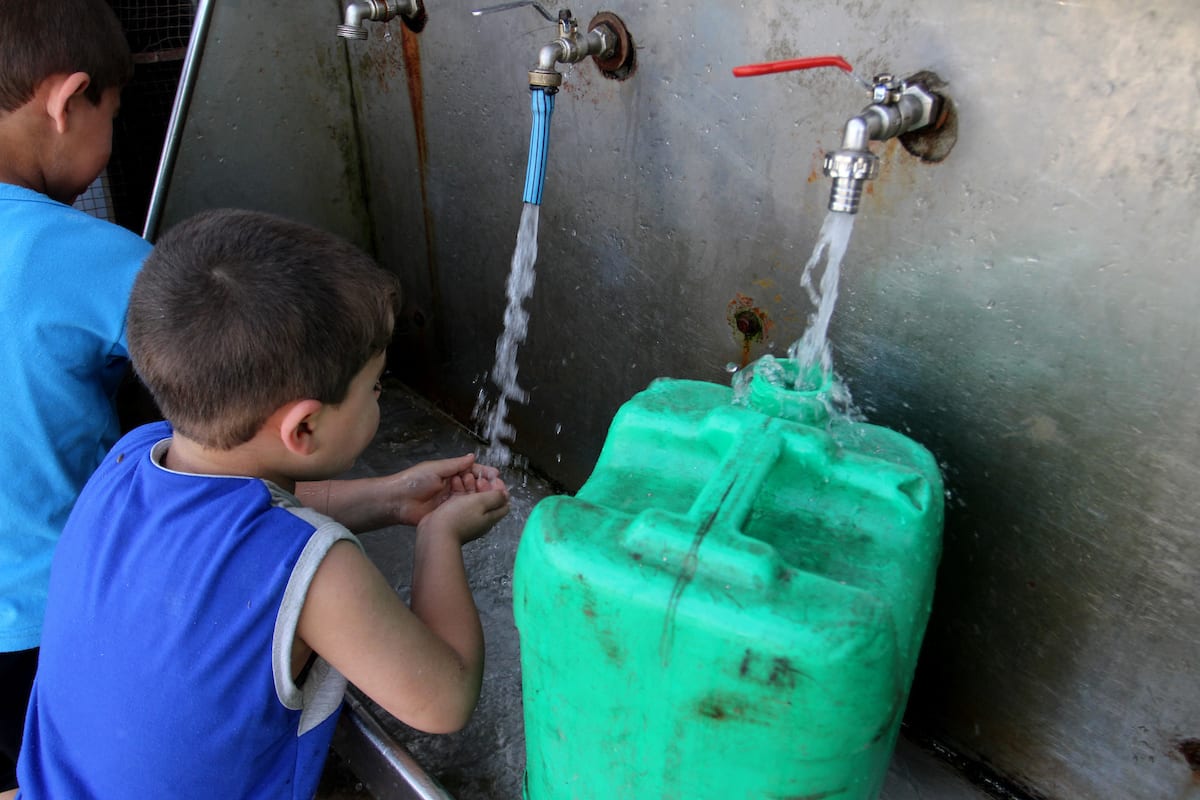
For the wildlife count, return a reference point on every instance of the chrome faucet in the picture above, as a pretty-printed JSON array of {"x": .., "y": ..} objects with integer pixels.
[
  {"x": 606, "y": 41},
  {"x": 897, "y": 107},
  {"x": 412, "y": 12}
]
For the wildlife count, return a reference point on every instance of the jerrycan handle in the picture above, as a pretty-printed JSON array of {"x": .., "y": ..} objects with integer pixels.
[
  {"x": 717, "y": 517},
  {"x": 729, "y": 495}
]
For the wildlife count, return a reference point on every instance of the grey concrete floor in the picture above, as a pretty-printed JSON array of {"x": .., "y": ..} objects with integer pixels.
[{"x": 485, "y": 761}]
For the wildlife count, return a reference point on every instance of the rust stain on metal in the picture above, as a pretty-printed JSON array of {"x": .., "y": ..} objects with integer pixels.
[
  {"x": 933, "y": 144},
  {"x": 750, "y": 323},
  {"x": 623, "y": 61},
  {"x": 411, "y": 47}
]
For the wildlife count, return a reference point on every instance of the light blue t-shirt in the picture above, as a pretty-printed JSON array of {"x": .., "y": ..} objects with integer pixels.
[{"x": 65, "y": 279}]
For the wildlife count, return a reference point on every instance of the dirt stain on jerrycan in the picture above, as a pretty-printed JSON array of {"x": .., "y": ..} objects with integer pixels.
[{"x": 732, "y": 604}]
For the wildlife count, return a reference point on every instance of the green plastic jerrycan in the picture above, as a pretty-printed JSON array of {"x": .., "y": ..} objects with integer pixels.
[{"x": 732, "y": 604}]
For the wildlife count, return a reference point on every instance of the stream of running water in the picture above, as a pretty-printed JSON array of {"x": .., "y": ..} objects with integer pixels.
[
  {"x": 493, "y": 417},
  {"x": 812, "y": 349}
]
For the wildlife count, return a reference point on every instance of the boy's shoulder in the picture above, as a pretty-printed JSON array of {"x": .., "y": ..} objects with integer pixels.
[
  {"x": 27, "y": 211},
  {"x": 144, "y": 447},
  {"x": 134, "y": 479},
  {"x": 141, "y": 438}
]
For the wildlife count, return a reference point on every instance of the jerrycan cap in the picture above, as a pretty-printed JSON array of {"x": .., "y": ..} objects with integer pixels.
[{"x": 781, "y": 388}]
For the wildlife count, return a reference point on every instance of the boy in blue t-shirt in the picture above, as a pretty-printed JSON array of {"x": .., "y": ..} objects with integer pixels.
[
  {"x": 200, "y": 618},
  {"x": 64, "y": 283}
]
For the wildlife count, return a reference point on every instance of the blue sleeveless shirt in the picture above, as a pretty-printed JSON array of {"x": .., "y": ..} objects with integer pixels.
[{"x": 165, "y": 668}]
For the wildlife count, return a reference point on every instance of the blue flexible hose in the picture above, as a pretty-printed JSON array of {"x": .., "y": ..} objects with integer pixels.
[{"x": 542, "y": 105}]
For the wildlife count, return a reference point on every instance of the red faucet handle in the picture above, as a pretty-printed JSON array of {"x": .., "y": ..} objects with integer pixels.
[{"x": 812, "y": 62}]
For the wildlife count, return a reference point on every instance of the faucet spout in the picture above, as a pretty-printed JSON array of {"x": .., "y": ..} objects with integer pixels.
[
  {"x": 355, "y": 12},
  {"x": 899, "y": 107},
  {"x": 545, "y": 75},
  {"x": 412, "y": 12}
]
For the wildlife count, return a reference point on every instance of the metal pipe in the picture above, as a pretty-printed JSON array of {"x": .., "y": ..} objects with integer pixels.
[
  {"x": 183, "y": 98},
  {"x": 515, "y": 4},
  {"x": 383, "y": 764}
]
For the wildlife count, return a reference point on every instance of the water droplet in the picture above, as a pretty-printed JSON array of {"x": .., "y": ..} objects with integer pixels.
[{"x": 731, "y": 367}]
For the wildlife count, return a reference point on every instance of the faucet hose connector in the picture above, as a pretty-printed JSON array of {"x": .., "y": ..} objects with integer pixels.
[
  {"x": 547, "y": 79},
  {"x": 850, "y": 170}
]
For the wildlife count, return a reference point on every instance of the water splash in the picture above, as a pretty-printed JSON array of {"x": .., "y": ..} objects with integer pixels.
[
  {"x": 493, "y": 418},
  {"x": 812, "y": 349}
]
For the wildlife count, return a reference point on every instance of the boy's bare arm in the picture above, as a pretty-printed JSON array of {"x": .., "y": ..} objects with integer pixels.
[
  {"x": 423, "y": 665},
  {"x": 403, "y": 498}
]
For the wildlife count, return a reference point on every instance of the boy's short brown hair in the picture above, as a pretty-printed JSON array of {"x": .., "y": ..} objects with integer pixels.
[
  {"x": 236, "y": 313},
  {"x": 38, "y": 40}
]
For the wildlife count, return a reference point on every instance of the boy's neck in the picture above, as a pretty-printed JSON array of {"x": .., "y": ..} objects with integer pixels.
[
  {"x": 253, "y": 459},
  {"x": 18, "y": 166}
]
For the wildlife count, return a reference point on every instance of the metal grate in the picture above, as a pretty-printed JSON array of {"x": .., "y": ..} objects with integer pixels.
[
  {"x": 158, "y": 33},
  {"x": 155, "y": 27},
  {"x": 95, "y": 200}
]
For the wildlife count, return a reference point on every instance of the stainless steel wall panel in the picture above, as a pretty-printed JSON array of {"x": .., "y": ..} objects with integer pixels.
[{"x": 1026, "y": 308}]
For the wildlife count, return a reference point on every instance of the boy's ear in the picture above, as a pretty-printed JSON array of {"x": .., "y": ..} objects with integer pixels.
[
  {"x": 296, "y": 423},
  {"x": 61, "y": 91}
]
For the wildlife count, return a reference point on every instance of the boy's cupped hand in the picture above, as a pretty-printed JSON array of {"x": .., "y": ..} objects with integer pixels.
[
  {"x": 426, "y": 486},
  {"x": 469, "y": 515}
]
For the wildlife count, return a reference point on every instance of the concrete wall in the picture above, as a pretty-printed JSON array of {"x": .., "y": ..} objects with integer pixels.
[{"x": 1026, "y": 308}]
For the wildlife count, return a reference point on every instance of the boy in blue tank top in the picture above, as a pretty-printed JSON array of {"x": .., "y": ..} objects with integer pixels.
[{"x": 202, "y": 622}]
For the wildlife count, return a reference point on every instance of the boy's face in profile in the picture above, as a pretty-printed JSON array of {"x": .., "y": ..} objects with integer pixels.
[
  {"x": 84, "y": 150},
  {"x": 349, "y": 427}
]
